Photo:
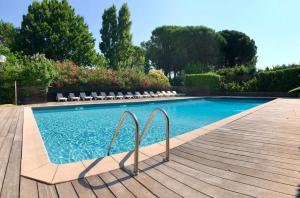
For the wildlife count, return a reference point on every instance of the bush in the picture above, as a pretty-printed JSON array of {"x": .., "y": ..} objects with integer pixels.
[
  {"x": 237, "y": 74},
  {"x": 278, "y": 80},
  {"x": 69, "y": 74},
  {"x": 208, "y": 80}
]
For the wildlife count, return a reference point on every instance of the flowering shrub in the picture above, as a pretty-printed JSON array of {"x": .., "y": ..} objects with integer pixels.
[{"x": 69, "y": 74}]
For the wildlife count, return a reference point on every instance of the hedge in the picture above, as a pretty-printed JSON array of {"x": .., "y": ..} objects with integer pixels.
[
  {"x": 281, "y": 80},
  {"x": 209, "y": 80}
]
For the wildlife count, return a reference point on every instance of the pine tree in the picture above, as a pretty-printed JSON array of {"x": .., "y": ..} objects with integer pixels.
[{"x": 109, "y": 36}]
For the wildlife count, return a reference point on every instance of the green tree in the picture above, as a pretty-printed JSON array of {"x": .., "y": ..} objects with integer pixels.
[
  {"x": 138, "y": 57},
  {"x": 239, "y": 49},
  {"x": 51, "y": 27},
  {"x": 7, "y": 34},
  {"x": 124, "y": 42},
  {"x": 109, "y": 36},
  {"x": 175, "y": 48}
]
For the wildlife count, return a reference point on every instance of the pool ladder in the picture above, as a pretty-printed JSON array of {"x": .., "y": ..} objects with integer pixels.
[{"x": 139, "y": 138}]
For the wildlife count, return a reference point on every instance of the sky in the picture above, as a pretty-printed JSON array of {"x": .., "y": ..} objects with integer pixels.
[{"x": 273, "y": 24}]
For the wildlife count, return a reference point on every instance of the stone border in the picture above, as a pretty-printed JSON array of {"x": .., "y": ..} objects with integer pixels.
[{"x": 36, "y": 164}]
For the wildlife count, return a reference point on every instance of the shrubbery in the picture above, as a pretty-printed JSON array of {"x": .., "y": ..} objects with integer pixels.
[
  {"x": 243, "y": 79},
  {"x": 69, "y": 74},
  {"x": 209, "y": 80},
  {"x": 41, "y": 72}
]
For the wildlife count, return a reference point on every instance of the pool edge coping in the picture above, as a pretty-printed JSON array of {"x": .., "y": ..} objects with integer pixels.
[{"x": 36, "y": 164}]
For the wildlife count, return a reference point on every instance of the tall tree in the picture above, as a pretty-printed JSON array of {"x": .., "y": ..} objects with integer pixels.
[
  {"x": 239, "y": 49},
  {"x": 51, "y": 27},
  {"x": 124, "y": 42},
  {"x": 7, "y": 34},
  {"x": 108, "y": 45},
  {"x": 175, "y": 48}
]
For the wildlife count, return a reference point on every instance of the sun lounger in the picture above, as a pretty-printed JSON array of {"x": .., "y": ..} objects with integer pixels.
[
  {"x": 60, "y": 97},
  {"x": 159, "y": 94},
  {"x": 83, "y": 96},
  {"x": 103, "y": 94},
  {"x": 129, "y": 95},
  {"x": 72, "y": 97},
  {"x": 146, "y": 94},
  {"x": 165, "y": 93},
  {"x": 111, "y": 95},
  {"x": 152, "y": 94},
  {"x": 170, "y": 93},
  {"x": 138, "y": 94},
  {"x": 96, "y": 96},
  {"x": 177, "y": 94},
  {"x": 120, "y": 95}
]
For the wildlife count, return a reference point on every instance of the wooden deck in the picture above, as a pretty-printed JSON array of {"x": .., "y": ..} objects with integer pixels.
[{"x": 255, "y": 156}]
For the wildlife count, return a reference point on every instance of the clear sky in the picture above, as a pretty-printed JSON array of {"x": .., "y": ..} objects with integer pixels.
[{"x": 273, "y": 24}]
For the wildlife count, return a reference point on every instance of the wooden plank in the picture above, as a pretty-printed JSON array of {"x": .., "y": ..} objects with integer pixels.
[
  {"x": 134, "y": 186},
  {"x": 28, "y": 188},
  {"x": 265, "y": 167},
  {"x": 154, "y": 186},
  {"x": 260, "y": 148},
  {"x": 171, "y": 183},
  {"x": 180, "y": 163},
  {"x": 243, "y": 156},
  {"x": 9, "y": 122},
  {"x": 66, "y": 190},
  {"x": 238, "y": 169},
  {"x": 11, "y": 182},
  {"x": 115, "y": 186},
  {"x": 208, "y": 188},
  {"x": 83, "y": 188},
  {"x": 99, "y": 187},
  {"x": 47, "y": 191}
]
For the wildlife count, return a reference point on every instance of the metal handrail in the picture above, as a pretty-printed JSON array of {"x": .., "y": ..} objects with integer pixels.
[
  {"x": 167, "y": 130},
  {"x": 136, "y": 149}
]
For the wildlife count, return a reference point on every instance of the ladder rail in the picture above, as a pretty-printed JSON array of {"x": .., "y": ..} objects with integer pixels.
[
  {"x": 167, "y": 129},
  {"x": 136, "y": 147}
]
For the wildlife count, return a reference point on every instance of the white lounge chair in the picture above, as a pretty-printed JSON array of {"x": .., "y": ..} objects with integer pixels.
[
  {"x": 138, "y": 94},
  {"x": 129, "y": 95},
  {"x": 165, "y": 93},
  {"x": 103, "y": 94},
  {"x": 96, "y": 96},
  {"x": 120, "y": 95},
  {"x": 60, "y": 97},
  {"x": 111, "y": 95},
  {"x": 72, "y": 97},
  {"x": 152, "y": 94},
  {"x": 170, "y": 93},
  {"x": 177, "y": 94},
  {"x": 159, "y": 94},
  {"x": 83, "y": 96},
  {"x": 146, "y": 94}
]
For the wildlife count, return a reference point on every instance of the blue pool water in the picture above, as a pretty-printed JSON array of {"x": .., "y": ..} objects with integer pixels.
[{"x": 78, "y": 133}]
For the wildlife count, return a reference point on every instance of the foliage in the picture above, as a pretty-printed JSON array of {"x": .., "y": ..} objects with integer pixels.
[
  {"x": 237, "y": 74},
  {"x": 138, "y": 57},
  {"x": 239, "y": 49},
  {"x": 159, "y": 76},
  {"x": 69, "y": 74},
  {"x": 109, "y": 37},
  {"x": 124, "y": 41},
  {"x": 209, "y": 80},
  {"x": 51, "y": 27},
  {"x": 26, "y": 70},
  {"x": 7, "y": 34},
  {"x": 281, "y": 80},
  {"x": 173, "y": 48}
]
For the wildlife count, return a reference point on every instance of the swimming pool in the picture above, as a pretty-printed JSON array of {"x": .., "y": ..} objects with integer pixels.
[{"x": 76, "y": 133}]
